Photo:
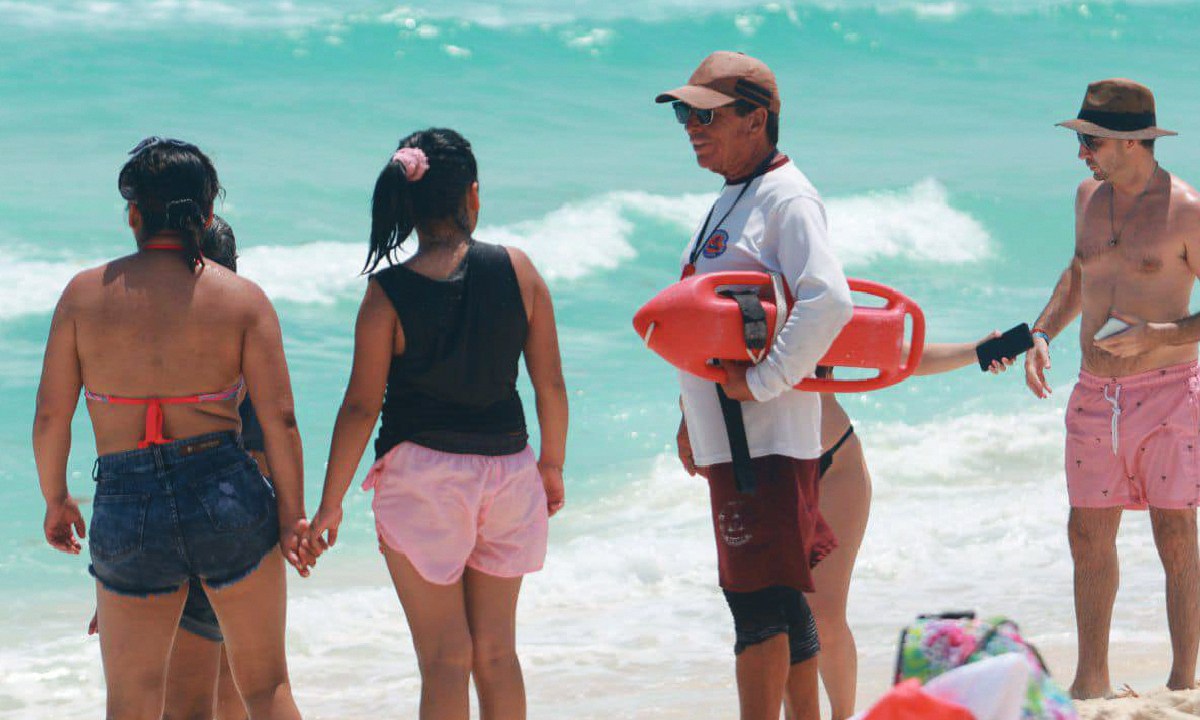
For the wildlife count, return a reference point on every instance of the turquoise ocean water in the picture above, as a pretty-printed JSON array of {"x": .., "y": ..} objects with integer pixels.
[{"x": 927, "y": 126}]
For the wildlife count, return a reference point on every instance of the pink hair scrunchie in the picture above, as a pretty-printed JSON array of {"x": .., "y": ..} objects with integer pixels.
[{"x": 414, "y": 161}]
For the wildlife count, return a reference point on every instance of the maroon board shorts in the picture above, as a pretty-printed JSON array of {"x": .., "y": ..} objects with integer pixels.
[{"x": 775, "y": 536}]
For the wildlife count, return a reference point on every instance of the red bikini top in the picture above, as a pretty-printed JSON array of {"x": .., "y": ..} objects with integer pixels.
[{"x": 154, "y": 413}]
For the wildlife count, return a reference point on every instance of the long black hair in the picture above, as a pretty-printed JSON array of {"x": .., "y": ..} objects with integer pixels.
[
  {"x": 219, "y": 244},
  {"x": 173, "y": 184},
  {"x": 400, "y": 205}
]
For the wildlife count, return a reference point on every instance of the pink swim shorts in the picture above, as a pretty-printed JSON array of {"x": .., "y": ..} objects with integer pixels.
[
  {"x": 1135, "y": 441},
  {"x": 446, "y": 511}
]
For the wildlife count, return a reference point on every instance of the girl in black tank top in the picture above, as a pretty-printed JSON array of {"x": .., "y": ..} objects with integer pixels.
[{"x": 461, "y": 503}]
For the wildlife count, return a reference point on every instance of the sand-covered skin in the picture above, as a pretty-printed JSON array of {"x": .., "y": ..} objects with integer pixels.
[{"x": 1161, "y": 704}]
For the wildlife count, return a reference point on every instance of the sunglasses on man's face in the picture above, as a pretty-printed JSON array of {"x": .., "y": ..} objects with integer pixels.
[
  {"x": 683, "y": 111},
  {"x": 1091, "y": 142}
]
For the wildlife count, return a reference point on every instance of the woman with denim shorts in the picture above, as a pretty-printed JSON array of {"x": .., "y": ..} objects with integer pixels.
[
  {"x": 461, "y": 503},
  {"x": 163, "y": 344}
]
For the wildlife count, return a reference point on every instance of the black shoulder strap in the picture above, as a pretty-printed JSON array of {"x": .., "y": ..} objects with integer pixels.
[
  {"x": 739, "y": 447},
  {"x": 754, "y": 327}
]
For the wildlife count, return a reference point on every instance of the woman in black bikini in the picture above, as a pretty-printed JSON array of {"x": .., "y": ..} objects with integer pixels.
[{"x": 845, "y": 504}]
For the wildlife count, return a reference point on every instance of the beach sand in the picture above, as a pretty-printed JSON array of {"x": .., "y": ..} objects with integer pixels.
[{"x": 1160, "y": 704}]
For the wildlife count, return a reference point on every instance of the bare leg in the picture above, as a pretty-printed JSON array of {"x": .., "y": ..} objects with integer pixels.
[
  {"x": 191, "y": 677},
  {"x": 135, "y": 641},
  {"x": 437, "y": 616},
  {"x": 1175, "y": 537},
  {"x": 845, "y": 504},
  {"x": 762, "y": 673},
  {"x": 492, "y": 616},
  {"x": 252, "y": 613},
  {"x": 229, "y": 700},
  {"x": 801, "y": 701},
  {"x": 1093, "y": 536}
]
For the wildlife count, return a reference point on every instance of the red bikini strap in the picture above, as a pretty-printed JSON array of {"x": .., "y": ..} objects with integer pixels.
[
  {"x": 154, "y": 425},
  {"x": 154, "y": 412}
]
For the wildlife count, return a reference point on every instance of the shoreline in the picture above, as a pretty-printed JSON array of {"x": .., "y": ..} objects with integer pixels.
[{"x": 362, "y": 664}]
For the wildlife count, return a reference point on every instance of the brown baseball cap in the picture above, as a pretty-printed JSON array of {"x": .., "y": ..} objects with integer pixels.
[
  {"x": 725, "y": 77},
  {"x": 1117, "y": 108}
]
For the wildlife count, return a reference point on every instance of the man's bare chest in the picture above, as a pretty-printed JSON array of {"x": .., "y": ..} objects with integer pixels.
[{"x": 1144, "y": 245}]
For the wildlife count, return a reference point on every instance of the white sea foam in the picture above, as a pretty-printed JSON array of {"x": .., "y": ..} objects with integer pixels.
[
  {"x": 324, "y": 272},
  {"x": 33, "y": 286},
  {"x": 293, "y": 15},
  {"x": 133, "y": 14},
  {"x": 915, "y": 224}
]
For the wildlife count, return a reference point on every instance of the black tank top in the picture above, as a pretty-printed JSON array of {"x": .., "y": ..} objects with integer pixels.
[{"x": 455, "y": 387}]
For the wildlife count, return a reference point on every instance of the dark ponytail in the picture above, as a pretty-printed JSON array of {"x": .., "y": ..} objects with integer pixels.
[
  {"x": 400, "y": 205},
  {"x": 174, "y": 185},
  {"x": 188, "y": 219},
  {"x": 391, "y": 215}
]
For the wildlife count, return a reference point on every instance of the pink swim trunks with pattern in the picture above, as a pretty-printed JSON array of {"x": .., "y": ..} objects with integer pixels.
[{"x": 1134, "y": 441}]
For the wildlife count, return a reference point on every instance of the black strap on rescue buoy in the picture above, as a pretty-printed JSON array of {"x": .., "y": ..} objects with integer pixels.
[{"x": 754, "y": 329}]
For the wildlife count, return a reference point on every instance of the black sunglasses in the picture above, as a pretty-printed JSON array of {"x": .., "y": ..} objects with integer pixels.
[
  {"x": 1091, "y": 142},
  {"x": 683, "y": 111}
]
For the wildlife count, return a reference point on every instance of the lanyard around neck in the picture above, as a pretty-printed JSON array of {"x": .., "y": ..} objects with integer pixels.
[{"x": 702, "y": 238}]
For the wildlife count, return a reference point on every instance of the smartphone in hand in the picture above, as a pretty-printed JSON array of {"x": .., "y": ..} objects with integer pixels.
[
  {"x": 1110, "y": 328},
  {"x": 1009, "y": 345}
]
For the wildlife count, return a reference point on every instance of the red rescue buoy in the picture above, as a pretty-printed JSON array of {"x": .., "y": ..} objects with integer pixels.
[{"x": 691, "y": 323}]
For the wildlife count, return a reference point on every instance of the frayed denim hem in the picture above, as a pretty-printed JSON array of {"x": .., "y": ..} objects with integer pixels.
[
  {"x": 134, "y": 593},
  {"x": 224, "y": 582}
]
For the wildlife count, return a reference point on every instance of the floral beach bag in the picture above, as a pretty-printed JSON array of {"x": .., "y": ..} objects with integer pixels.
[{"x": 935, "y": 644}]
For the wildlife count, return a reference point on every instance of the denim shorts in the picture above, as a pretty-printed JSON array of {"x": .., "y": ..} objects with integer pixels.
[
  {"x": 198, "y": 616},
  {"x": 197, "y": 507}
]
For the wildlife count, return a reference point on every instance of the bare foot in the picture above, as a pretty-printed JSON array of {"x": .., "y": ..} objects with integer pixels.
[{"x": 1080, "y": 691}]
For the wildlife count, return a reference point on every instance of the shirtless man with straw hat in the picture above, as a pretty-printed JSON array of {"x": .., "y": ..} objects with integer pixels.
[{"x": 1133, "y": 420}]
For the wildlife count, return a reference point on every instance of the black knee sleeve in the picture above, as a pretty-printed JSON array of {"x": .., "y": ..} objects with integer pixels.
[{"x": 760, "y": 615}]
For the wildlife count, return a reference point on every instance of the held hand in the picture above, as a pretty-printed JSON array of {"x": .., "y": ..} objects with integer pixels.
[
  {"x": 323, "y": 531},
  {"x": 61, "y": 519},
  {"x": 291, "y": 533},
  {"x": 1037, "y": 362},
  {"x": 552, "y": 480},
  {"x": 684, "y": 443},
  {"x": 1140, "y": 337},
  {"x": 997, "y": 366},
  {"x": 735, "y": 383}
]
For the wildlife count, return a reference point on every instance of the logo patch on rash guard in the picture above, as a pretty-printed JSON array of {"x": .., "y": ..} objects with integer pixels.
[{"x": 716, "y": 244}]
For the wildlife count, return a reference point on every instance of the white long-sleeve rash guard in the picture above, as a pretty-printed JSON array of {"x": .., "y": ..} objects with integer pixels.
[{"x": 778, "y": 226}]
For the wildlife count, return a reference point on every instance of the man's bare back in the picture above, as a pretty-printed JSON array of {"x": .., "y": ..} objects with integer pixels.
[{"x": 1148, "y": 275}]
